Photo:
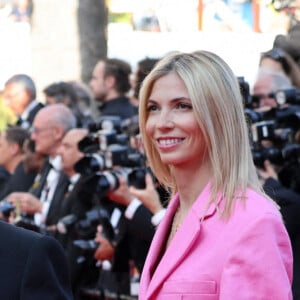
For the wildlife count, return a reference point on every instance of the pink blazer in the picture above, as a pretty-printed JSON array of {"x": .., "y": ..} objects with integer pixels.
[{"x": 248, "y": 256}]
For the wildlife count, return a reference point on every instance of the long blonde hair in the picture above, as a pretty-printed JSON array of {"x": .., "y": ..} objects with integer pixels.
[{"x": 218, "y": 107}]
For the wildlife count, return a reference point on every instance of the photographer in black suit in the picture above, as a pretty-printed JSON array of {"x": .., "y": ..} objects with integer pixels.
[
  {"x": 33, "y": 266},
  {"x": 276, "y": 153},
  {"x": 289, "y": 202},
  {"x": 134, "y": 231},
  {"x": 74, "y": 205}
]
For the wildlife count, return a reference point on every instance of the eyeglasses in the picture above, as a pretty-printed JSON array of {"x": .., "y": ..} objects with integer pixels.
[
  {"x": 258, "y": 97},
  {"x": 36, "y": 130}
]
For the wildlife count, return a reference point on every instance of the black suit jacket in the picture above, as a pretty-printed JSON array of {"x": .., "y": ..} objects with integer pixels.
[
  {"x": 289, "y": 202},
  {"x": 133, "y": 240},
  {"x": 4, "y": 178},
  {"x": 26, "y": 123},
  {"x": 40, "y": 179},
  {"x": 34, "y": 111},
  {"x": 33, "y": 266},
  {"x": 36, "y": 189},
  {"x": 53, "y": 214},
  {"x": 19, "y": 181},
  {"x": 118, "y": 107}
]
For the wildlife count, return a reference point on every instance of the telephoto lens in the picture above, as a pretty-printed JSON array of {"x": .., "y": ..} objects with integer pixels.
[{"x": 91, "y": 163}]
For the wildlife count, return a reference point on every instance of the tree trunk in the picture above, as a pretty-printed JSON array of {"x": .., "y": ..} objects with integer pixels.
[{"x": 92, "y": 28}]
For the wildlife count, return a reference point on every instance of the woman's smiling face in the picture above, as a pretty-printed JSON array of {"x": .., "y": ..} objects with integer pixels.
[{"x": 171, "y": 123}]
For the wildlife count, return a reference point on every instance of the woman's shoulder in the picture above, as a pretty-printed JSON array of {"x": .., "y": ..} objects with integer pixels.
[{"x": 255, "y": 205}]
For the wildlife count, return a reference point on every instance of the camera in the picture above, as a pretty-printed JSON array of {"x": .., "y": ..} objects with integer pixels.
[
  {"x": 91, "y": 163},
  {"x": 129, "y": 126},
  {"x": 272, "y": 143},
  {"x": 6, "y": 208},
  {"x": 85, "y": 229},
  {"x": 272, "y": 133},
  {"x": 245, "y": 90},
  {"x": 287, "y": 96},
  {"x": 112, "y": 156},
  {"x": 115, "y": 155},
  {"x": 107, "y": 181},
  {"x": 66, "y": 223},
  {"x": 108, "y": 158},
  {"x": 101, "y": 139},
  {"x": 108, "y": 130},
  {"x": 88, "y": 247}
]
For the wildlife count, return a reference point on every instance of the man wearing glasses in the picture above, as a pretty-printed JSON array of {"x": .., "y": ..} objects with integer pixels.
[
  {"x": 266, "y": 84},
  {"x": 44, "y": 197}
]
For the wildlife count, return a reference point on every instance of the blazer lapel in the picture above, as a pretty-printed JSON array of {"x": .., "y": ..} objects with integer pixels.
[
  {"x": 57, "y": 200},
  {"x": 181, "y": 244},
  {"x": 40, "y": 180}
]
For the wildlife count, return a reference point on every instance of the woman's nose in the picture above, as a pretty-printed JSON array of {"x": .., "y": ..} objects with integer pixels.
[{"x": 165, "y": 120}]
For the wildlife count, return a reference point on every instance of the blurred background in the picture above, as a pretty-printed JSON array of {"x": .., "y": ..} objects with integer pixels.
[{"x": 55, "y": 40}]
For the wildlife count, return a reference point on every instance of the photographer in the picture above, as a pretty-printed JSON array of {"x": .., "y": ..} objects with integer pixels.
[
  {"x": 74, "y": 204},
  {"x": 266, "y": 83},
  {"x": 119, "y": 224},
  {"x": 135, "y": 232},
  {"x": 289, "y": 202},
  {"x": 276, "y": 152}
]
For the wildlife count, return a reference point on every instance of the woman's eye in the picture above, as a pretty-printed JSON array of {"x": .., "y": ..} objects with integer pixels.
[
  {"x": 184, "y": 106},
  {"x": 151, "y": 107}
]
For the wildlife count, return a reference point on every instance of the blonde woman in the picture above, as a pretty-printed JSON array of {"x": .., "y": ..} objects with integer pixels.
[{"x": 221, "y": 237}]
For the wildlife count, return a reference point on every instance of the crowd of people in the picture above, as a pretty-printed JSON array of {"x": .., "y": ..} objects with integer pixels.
[{"x": 168, "y": 149}]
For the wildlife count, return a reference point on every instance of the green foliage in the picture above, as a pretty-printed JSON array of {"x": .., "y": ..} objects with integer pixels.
[{"x": 124, "y": 17}]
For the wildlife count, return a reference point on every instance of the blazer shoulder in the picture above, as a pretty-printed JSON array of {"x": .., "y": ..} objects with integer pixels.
[
  {"x": 254, "y": 207},
  {"x": 13, "y": 231}
]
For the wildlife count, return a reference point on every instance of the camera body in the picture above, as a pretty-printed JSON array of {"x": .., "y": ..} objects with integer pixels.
[
  {"x": 108, "y": 158},
  {"x": 112, "y": 156},
  {"x": 273, "y": 134}
]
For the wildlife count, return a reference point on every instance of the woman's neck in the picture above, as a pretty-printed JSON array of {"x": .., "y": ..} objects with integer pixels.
[{"x": 190, "y": 183}]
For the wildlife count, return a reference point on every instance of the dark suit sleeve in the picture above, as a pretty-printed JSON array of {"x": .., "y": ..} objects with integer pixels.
[
  {"x": 140, "y": 224},
  {"x": 282, "y": 195},
  {"x": 46, "y": 273},
  {"x": 289, "y": 202}
]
